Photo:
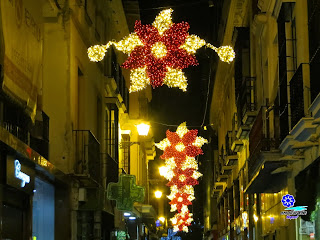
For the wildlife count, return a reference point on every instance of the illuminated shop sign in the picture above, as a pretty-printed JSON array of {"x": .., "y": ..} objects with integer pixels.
[
  {"x": 292, "y": 212},
  {"x": 20, "y": 175}
]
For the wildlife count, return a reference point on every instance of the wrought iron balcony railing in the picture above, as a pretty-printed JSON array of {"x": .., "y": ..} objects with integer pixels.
[
  {"x": 15, "y": 121},
  {"x": 297, "y": 95},
  {"x": 259, "y": 140},
  {"x": 112, "y": 168},
  {"x": 87, "y": 154},
  {"x": 230, "y": 138},
  {"x": 246, "y": 99},
  {"x": 116, "y": 73}
]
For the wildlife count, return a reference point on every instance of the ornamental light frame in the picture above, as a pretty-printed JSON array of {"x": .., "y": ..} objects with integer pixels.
[
  {"x": 158, "y": 52},
  {"x": 179, "y": 151}
]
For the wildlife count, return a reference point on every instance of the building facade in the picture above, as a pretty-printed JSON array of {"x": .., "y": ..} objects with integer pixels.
[
  {"x": 67, "y": 124},
  {"x": 264, "y": 111}
]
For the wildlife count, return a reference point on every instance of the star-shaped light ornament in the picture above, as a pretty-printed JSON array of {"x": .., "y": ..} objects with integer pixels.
[
  {"x": 159, "y": 52},
  {"x": 179, "y": 151}
]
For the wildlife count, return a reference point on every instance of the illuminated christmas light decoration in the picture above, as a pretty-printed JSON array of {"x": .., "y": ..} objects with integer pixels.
[
  {"x": 158, "y": 52},
  {"x": 179, "y": 151},
  {"x": 190, "y": 162},
  {"x": 181, "y": 221}
]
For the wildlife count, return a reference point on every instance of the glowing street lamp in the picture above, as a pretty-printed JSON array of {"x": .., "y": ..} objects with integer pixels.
[
  {"x": 162, "y": 219},
  {"x": 158, "y": 194},
  {"x": 163, "y": 170},
  {"x": 143, "y": 129}
]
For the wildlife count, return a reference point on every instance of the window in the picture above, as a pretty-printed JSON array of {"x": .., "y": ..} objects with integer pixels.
[
  {"x": 112, "y": 140},
  {"x": 287, "y": 63},
  {"x": 242, "y": 62},
  {"x": 99, "y": 117},
  {"x": 126, "y": 154},
  {"x": 314, "y": 46},
  {"x": 81, "y": 100}
]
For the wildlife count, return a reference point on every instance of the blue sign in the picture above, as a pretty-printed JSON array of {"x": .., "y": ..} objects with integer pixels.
[
  {"x": 20, "y": 175},
  {"x": 292, "y": 212},
  {"x": 158, "y": 224}
]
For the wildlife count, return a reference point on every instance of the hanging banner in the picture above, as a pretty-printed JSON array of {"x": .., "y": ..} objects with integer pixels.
[{"x": 21, "y": 53}]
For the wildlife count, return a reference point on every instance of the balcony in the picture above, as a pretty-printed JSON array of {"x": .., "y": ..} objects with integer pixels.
[
  {"x": 87, "y": 156},
  {"x": 229, "y": 158},
  {"x": 122, "y": 89},
  {"x": 14, "y": 120},
  {"x": 265, "y": 158},
  {"x": 226, "y": 170},
  {"x": 229, "y": 140},
  {"x": 112, "y": 168},
  {"x": 218, "y": 189},
  {"x": 39, "y": 135},
  {"x": 297, "y": 93},
  {"x": 246, "y": 101},
  {"x": 117, "y": 81}
]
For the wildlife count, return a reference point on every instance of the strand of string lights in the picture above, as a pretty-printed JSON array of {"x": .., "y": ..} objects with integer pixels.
[
  {"x": 207, "y": 98},
  {"x": 176, "y": 125}
]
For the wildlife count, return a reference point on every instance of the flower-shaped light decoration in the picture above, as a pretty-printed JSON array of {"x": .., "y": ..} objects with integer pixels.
[
  {"x": 288, "y": 200},
  {"x": 181, "y": 221},
  {"x": 180, "y": 149},
  {"x": 159, "y": 52},
  {"x": 179, "y": 200}
]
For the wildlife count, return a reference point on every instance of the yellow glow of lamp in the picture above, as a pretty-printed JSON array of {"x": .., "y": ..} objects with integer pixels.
[
  {"x": 163, "y": 170},
  {"x": 143, "y": 129},
  {"x": 255, "y": 217},
  {"x": 162, "y": 219},
  {"x": 244, "y": 218},
  {"x": 158, "y": 194}
]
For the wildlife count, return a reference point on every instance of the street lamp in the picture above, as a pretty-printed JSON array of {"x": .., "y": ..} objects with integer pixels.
[
  {"x": 162, "y": 219},
  {"x": 162, "y": 170},
  {"x": 143, "y": 129},
  {"x": 158, "y": 194}
]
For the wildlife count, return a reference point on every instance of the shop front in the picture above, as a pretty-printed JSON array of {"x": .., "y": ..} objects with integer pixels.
[
  {"x": 29, "y": 197},
  {"x": 16, "y": 197},
  {"x": 307, "y": 184}
]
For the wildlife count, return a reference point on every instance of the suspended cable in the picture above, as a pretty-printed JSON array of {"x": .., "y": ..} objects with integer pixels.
[
  {"x": 176, "y": 125},
  {"x": 208, "y": 89}
]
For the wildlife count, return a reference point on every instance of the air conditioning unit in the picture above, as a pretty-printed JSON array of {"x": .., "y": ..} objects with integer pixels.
[{"x": 82, "y": 195}]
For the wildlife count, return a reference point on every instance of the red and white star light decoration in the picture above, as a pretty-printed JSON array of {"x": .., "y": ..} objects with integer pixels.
[
  {"x": 159, "y": 52},
  {"x": 180, "y": 149}
]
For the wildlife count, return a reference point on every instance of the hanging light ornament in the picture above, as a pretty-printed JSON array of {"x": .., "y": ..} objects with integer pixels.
[
  {"x": 159, "y": 52},
  {"x": 179, "y": 151}
]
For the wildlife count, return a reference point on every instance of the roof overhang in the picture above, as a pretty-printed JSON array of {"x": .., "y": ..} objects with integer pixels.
[{"x": 267, "y": 179}]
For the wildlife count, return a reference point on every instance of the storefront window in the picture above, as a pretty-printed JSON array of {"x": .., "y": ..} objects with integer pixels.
[
  {"x": 12, "y": 223},
  {"x": 43, "y": 211}
]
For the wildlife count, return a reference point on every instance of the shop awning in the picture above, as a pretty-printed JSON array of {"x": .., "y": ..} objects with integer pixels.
[
  {"x": 145, "y": 210},
  {"x": 270, "y": 178}
]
